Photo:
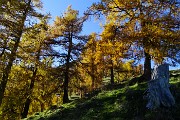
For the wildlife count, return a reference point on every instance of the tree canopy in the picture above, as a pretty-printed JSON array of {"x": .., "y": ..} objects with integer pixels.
[{"x": 45, "y": 64}]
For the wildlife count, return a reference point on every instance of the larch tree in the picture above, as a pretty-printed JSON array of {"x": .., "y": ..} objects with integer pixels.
[
  {"x": 66, "y": 34},
  {"x": 91, "y": 64},
  {"x": 113, "y": 47},
  {"x": 13, "y": 18},
  {"x": 15, "y": 93},
  {"x": 29, "y": 75},
  {"x": 149, "y": 24},
  {"x": 32, "y": 49}
]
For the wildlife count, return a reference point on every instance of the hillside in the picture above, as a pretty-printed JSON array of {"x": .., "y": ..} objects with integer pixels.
[{"x": 118, "y": 102}]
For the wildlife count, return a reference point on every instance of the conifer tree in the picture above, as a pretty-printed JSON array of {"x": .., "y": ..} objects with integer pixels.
[
  {"x": 112, "y": 47},
  {"x": 13, "y": 18},
  {"x": 91, "y": 65},
  {"x": 65, "y": 33},
  {"x": 33, "y": 48},
  {"x": 151, "y": 25}
]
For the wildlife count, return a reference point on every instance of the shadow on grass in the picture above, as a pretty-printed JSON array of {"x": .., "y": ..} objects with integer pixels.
[{"x": 118, "y": 102}]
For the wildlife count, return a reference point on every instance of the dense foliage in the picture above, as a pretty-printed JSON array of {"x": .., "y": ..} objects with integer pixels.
[{"x": 44, "y": 65}]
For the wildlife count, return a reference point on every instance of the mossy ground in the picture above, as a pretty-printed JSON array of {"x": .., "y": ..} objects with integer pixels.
[{"x": 119, "y": 102}]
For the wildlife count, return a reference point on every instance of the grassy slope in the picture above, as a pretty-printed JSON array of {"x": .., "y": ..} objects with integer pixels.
[{"x": 115, "y": 103}]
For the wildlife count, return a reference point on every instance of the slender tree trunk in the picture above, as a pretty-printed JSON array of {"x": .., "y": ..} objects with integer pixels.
[
  {"x": 28, "y": 100},
  {"x": 66, "y": 81},
  {"x": 147, "y": 62},
  {"x": 7, "y": 70},
  {"x": 66, "y": 73},
  {"x": 5, "y": 79},
  {"x": 92, "y": 74},
  {"x": 42, "y": 107},
  {"x": 26, "y": 108},
  {"x": 112, "y": 72},
  {"x": 93, "y": 81},
  {"x": 31, "y": 87},
  {"x": 147, "y": 66}
]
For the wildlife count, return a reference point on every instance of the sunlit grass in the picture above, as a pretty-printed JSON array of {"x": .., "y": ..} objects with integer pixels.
[{"x": 118, "y": 103}]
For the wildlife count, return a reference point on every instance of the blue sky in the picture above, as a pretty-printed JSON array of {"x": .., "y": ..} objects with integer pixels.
[{"x": 58, "y": 7}]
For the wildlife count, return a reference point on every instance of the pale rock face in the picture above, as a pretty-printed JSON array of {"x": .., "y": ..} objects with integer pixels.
[{"x": 158, "y": 88}]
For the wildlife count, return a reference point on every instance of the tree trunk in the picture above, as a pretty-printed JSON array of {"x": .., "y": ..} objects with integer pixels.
[
  {"x": 93, "y": 81},
  {"x": 28, "y": 100},
  {"x": 31, "y": 87},
  {"x": 66, "y": 81},
  {"x": 66, "y": 74},
  {"x": 147, "y": 67},
  {"x": 112, "y": 73},
  {"x": 42, "y": 107},
  {"x": 158, "y": 88},
  {"x": 26, "y": 108},
  {"x": 92, "y": 73},
  {"x": 7, "y": 70}
]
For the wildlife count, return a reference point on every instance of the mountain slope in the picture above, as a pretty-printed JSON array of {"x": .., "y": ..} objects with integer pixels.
[{"x": 118, "y": 102}]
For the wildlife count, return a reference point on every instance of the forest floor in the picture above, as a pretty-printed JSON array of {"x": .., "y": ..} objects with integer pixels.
[{"x": 118, "y": 102}]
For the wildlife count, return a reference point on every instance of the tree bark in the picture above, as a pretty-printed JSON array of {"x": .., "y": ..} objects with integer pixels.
[
  {"x": 66, "y": 81},
  {"x": 147, "y": 67},
  {"x": 31, "y": 87},
  {"x": 26, "y": 108},
  {"x": 92, "y": 73},
  {"x": 7, "y": 70},
  {"x": 66, "y": 73},
  {"x": 112, "y": 73},
  {"x": 28, "y": 100},
  {"x": 42, "y": 107},
  {"x": 93, "y": 82},
  {"x": 158, "y": 88}
]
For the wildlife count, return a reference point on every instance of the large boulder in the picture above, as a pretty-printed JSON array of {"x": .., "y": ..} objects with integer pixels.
[{"x": 158, "y": 88}]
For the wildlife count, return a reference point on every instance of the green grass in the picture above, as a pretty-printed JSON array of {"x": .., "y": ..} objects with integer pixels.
[{"x": 118, "y": 102}]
